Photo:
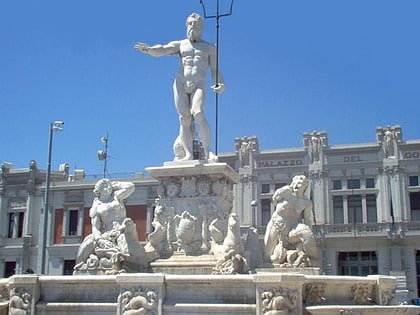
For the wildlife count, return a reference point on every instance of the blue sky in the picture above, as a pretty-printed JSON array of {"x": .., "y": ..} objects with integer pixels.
[{"x": 290, "y": 67}]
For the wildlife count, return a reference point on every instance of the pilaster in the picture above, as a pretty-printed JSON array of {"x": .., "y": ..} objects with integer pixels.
[{"x": 279, "y": 290}]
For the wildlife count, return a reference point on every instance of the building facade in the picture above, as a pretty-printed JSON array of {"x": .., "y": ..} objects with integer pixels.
[
  {"x": 22, "y": 194},
  {"x": 366, "y": 204}
]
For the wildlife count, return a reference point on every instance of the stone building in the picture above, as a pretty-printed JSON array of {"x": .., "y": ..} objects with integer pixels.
[
  {"x": 366, "y": 204},
  {"x": 22, "y": 193}
]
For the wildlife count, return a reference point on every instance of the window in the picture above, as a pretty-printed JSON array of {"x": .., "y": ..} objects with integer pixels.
[
  {"x": 15, "y": 224},
  {"x": 337, "y": 184},
  {"x": 353, "y": 184},
  {"x": 355, "y": 214},
  {"x": 357, "y": 263},
  {"x": 338, "y": 210},
  {"x": 372, "y": 215},
  {"x": 370, "y": 183},
  {"x": 358, "y": 211},
  {"x": 10, "y": 269},
  {"x": 265, "y": 211},
  {"x": 415, "y": 206},
  {"x": 265, "y": 188},
  {"x": 279, "y": 185},
  {"x": 68, "y": 267},
  {"x": 73, "y": 220},
  {"x": 413, "y": 180}
]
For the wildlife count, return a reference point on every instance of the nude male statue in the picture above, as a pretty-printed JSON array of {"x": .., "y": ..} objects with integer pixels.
[
  {"x": 189, "y": 86},
  {"x": 290, "y": 203}
]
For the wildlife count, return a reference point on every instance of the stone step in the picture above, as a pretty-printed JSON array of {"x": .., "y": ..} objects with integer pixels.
[
  {"x": 209, "y": 309},
  {"x": 179, "y": 264},
  {"x": 364, "y": 310},
  {"x": 216, "y": 289},
  {"x": 4, "y": 307},
  {"x": 76, "y": 308}
]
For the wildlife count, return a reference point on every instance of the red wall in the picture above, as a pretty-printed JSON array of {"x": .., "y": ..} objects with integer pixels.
[
  {"x": 87, "y": 227},
  {"x": 139, "y": 215},
  {"x": 58, "y": 226},
  {"x": 136, "y": 212}
]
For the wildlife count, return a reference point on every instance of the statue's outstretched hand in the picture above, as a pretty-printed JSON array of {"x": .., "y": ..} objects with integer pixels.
[
  {"x": 218, "y": 88},
  {"x": 142, "y": 47}
]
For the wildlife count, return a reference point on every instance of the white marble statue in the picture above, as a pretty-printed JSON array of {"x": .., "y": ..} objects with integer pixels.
[
  {"x": 20, "y": 302},
  {"x": 159, "y": 239},
  {"x": 189, "y": 86},
  {"x": 231, "y": 259},
  {"x": 113, "y": 246},
  {"x": 253, "y": 250},
  {"x": 286, "y": 241}
]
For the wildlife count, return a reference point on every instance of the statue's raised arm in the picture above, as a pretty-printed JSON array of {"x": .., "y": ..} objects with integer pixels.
[{"x": 158, "y": 50}]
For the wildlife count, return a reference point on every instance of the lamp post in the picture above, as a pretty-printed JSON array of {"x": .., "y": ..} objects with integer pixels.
[
  {"x": 217, "y": 16},
  {"x": 54, "y": 126},
  {"x": 254, "y": 206}
]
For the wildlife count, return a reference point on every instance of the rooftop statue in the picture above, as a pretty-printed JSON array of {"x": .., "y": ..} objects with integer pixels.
[{"x": 189, "y": 86}]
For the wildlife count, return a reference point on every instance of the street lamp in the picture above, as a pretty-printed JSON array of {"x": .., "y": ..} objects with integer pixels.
[
  {"x": 217, "y": 16},
  {"x": 54, "y": 126},
  {"x": 254, "y": 206}
]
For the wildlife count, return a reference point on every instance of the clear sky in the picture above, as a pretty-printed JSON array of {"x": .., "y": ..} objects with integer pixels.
[{"x": 290, "y": 67}]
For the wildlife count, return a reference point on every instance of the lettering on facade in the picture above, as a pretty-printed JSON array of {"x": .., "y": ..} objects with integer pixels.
[
  {"x": 352, "y": 159},
  {"x": 279, "y": 163},
  {"x": 412, "y": 155}
]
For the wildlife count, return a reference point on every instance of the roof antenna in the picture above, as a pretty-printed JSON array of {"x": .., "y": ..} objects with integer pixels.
[{"x": 103, "y": 154}]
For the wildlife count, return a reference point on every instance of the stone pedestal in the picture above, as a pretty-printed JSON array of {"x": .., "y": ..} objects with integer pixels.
[
  {"x": 279, "y": 293},
  {"x": 195, "y": 199},
  {"x": 180, "y": 264},
  {"x": 169, "y": 294},
  {"x": 266, "y": 268},
  {"x": 140, "y": 293}
]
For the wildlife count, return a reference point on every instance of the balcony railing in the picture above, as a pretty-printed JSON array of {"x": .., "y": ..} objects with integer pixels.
[
  {"x": 391, "y": 230},
  {"x": 383, "y": 229}
]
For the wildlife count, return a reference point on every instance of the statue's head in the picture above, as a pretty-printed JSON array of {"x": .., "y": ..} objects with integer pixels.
[
  {"x": 195, "y": 26},
  {"x": 233, "y": 220},
  {"x": 103, "y": 188},
  {"x": 299, "y": 183}
]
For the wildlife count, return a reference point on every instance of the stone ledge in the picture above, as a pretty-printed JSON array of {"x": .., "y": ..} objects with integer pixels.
[
  {"x": 182, "y": 264},
  {"x": 243, "y": 279},
  {"x": 210, "y": 308},
  {"x": 364, "y": 310},
  {"x": 77, "y": 308},
  {"x": 194, "y": 168}
]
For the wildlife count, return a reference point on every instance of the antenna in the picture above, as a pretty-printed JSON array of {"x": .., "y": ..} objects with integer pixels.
[
  {"x": 103, "y": 154},
  {"x": 217, "y": 16}
]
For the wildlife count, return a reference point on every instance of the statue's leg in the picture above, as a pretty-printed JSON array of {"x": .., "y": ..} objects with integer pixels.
[
  {"x": 198, "y": 104},
  {"x": 85, "y": 249},
  {"x": 182, "y": 105}
]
